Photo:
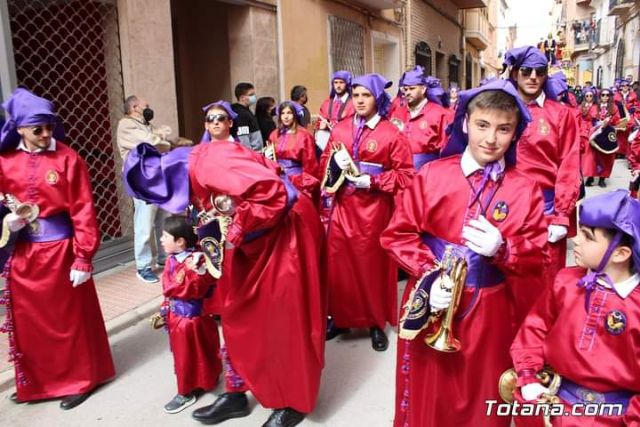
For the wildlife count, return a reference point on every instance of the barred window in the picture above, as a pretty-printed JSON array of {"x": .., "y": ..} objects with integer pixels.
[
  {"x": 347, "y": 45},
  {"x": 423, "y": 57}
]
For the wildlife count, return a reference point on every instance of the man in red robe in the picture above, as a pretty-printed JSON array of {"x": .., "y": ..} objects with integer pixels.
[
  {"x": 362, "y": 277},
  {"x": 338, "y": 106},
  {"x": 470, "y": 202},
  {"x": 548, "y": 153},
  {"x": 274, "y": 309},
  {"x": 629, "y": 101},
  {"x": 57, "y": 337},
  {"x": 423, "y": 120}
]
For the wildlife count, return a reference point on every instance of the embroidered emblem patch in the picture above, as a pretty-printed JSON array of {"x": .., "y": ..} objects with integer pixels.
[
  {"x": 51, "y": 177},
  {"x": 500, "y": 211},
  {"x": 372, "y": 146},
  {"x": 398, "y": 123},
  {"x": 180, "y": 276},
  {"x": 616, "y": 322},
  {"x": 589, "y": 396},
  {"x": 419, "y": 306},
  {"x": 423, "y": 125},
  {"x": 543, "y": 127}
]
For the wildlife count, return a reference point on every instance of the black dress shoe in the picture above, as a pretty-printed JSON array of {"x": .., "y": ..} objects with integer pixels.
[
  {"x": 379, "y": 340},
  {"x": 286, "y": 417},
  {"x": 226, "y": 406},
  {"x": 602, "y": 183},
  {"x": 14, "y": 398},
  {"x": 588, "y": 182},
  {"x": 333, "y": 331},
  {"x": 74, "y": 400}
]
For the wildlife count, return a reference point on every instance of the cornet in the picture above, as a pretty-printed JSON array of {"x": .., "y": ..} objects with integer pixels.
[
  {"x": 453, "y": 275},
  {"x": 272, "y": 146},
  {"x": 213, "y": 230},
  {"x": 27, "y": 211}
]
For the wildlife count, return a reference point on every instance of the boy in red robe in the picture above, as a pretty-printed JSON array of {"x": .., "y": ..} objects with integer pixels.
[
  {"x": 586, "y": 326},
  {"x": 193, "y": 335},
  {"x": 57, "y": 337},
  {"x": 470, "y": 201}
]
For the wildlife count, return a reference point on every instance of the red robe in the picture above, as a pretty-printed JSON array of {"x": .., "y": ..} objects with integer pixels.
[
  {"x": 426, "y": 131},
  {"x": 58, "y": 329},
  {"x": 194, "y": 340},
  {"x": 594, "y": 162},
  {"x": 361, "y": 276},
  {"x": 450, "y": 389},
  {"x": 274, "y": 309},
  {"x": 299, "y": 147},
  {"x": 558, "y": 332},
  {"x": 631, "y": 105},
  {"x": 549, "y": 153},
  {"x": 335, "y": 117}
]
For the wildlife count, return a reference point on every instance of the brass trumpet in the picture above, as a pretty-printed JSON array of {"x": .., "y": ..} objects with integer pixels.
[
  {"x": 27, "y": 211},
  {"x": 272, "y": 146},
  {"x": 453, "y": 277},
  {"x": 213, "y": 230}
]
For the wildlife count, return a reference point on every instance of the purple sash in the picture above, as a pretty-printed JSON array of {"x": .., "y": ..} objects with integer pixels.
[
  {"x": 185, "y": 307},
  {"x": 421, "y": 159},
  {"x": 369, "y": 168},
  {"x": 573, "y": 393},
  {"x": 291, "y": 167},
  {"x": 480, "y": 273},
  {"x": 51, "y": 229},
  {"x": 549, "y": 197}
]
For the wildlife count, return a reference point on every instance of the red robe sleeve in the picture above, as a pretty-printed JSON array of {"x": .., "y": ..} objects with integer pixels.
[
  {"x": 632, "y": 416},
  {"x": 401, "y": 173},
  {"x": 402, "y": 237},
  {"x": 86, "y": 237},
  {"x": 567, "y": 186},
  {"x": 527, "y": 350}
]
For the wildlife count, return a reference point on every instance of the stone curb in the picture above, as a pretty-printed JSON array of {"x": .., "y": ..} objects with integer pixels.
[{"x": 115, "y": 325}]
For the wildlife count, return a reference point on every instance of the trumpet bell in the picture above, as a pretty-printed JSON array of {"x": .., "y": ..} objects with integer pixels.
[
  {"x": 507, "y": 385},
  {"x": 443, "y": 341},
  {"x": 28, "y": 211},
  {"x": 224, "y": 205}
]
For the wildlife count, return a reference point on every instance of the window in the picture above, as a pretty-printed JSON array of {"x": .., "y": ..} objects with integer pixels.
[
  {"x": 347, "y": 45},
  {"x": 468, "y": 67},
  {"x": 423, "y": 57},
  {"x": 454, "y": 70}
]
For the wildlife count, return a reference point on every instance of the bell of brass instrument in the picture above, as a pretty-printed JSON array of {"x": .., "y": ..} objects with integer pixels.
[
  {"x": 224, "y": 205},
  {"x": 271, "y": 145},
  {"x": 453, "y": 278},
  {"x": 507, "y": 385},
  {"x": 334, "y": 176},
  {"x": 27, "y": 211}
]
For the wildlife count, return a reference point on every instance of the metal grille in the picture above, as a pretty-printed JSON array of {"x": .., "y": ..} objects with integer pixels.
[
  {"x": 347, "y": 45},
  {"x": 69, "y": 52}
]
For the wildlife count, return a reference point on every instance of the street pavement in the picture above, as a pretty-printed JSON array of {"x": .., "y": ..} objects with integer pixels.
[{"x": 357, "y": 385}]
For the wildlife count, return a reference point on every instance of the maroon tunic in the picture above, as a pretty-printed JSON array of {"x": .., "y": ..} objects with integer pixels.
[
  {"x": 274, "y": 308},
  {"x": 594, "y": 162},
  {"x": 194, "y": 340},
  {"x": 450, "y": 389},
  {"x": 58, "y": 329}
]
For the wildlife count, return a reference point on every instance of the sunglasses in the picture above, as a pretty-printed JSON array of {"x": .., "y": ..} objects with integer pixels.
[
  {"x": 216, "y": 118},
  {"x": 37, "y": 130},
  {"x": 540, "y": 71},
  {"x": 605, "y": 95}
]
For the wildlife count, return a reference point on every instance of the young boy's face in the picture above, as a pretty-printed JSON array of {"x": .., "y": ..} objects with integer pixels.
[
  {"x": 590, "y": 244},
  {"x": 490, "y": 133},
  {"x": 170, "y": 244}
]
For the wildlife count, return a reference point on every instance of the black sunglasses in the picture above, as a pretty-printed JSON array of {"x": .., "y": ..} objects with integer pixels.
[
  {"x": 605, "y": 94},
  {"x": 540, "y": 71},
  {"x": 216, "y": 118},
  {"x": 37, "y": 130}
]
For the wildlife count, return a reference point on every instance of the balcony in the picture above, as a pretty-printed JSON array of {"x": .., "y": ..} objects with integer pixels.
[
  {"x": 583, "y": 2},
  {"x": 476, "y": 29},
  {"x": 620, "y": 7},
  {"x": 470, "y": 4},
  {"x": 377, "y": 4}
]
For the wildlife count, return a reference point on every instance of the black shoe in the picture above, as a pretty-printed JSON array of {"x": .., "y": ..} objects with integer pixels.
[
  {"x": 602, "y": 183},
  {"x": 226, "y": 406},
  {"x": 286, "y": 417},
  {"x": 74, "y": 400},
  {"x": 333, "y": 331},
  {"x": 588, "y": 182},
  {"x": 379, "y": 340},
  {"x": 14, "y": 398}
]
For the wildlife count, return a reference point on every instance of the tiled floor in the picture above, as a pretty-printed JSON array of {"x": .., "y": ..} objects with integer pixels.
[{"x": 119, "y": 291}]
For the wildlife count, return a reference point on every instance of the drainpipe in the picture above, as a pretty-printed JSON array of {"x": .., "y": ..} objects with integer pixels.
[{"x": 280, "y": 41}]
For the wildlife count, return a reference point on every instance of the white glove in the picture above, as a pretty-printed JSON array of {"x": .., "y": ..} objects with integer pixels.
[
  {"x": 439, "y": 298},
  {"x": 268, "y": 152},
  {"x": 163, "y": 131},
  {"x": 195, "y": 260},
  {"x": 532, "y": 391},
  {"x": 362, "y": 181},
  {"x": 14, "y": 222},
  {"x": 556, "y": 232},
  {"x": 482, "y": 237},
  {"x": 342, "y": 159},
  {"x": 79, "y": 277}
]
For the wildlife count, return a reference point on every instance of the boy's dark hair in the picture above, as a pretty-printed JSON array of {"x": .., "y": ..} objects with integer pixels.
[
  {"x": 297, "y": 92},
  {"x": 493, "y": 100},
  {"x": 626, "y": 240},
  {"x": 242, "y": 89},
  {"x": 180, "y": 226}
]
